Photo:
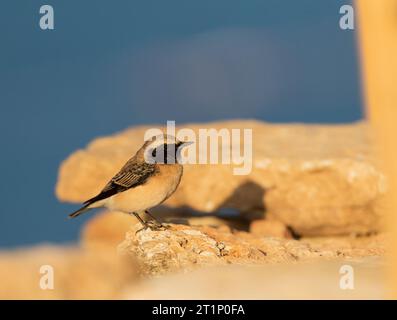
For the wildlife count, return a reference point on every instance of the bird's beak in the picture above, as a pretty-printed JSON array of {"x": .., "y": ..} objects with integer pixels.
[{"x": 185, "y": 144}]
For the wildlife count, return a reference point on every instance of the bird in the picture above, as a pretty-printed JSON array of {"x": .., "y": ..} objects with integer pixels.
[{"x": 146, "y": 180}]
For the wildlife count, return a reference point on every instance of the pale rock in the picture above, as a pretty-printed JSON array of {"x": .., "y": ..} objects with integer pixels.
[
  {"x": 185, "y": 248},
  {"x": 262, "y": 267},
  {"x": 316, "y": 280},
  {"x": 77, "y": 273}
]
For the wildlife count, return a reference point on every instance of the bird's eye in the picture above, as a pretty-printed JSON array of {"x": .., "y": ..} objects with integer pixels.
[{"x": 154, "y": 153}]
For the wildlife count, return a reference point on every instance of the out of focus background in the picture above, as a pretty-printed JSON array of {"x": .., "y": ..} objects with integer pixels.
[
  {"x": 313, "y": 219},
  {"x": 112, "y": 64}
]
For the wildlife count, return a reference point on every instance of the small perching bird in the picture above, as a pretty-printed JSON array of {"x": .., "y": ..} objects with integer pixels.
[{"x": 146, "y": 180}]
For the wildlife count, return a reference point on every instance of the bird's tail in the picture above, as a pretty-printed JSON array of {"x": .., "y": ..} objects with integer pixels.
[{"x": 80, "y": 211}]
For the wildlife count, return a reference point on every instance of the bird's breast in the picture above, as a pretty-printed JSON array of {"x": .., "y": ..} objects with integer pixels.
[{"x": 154, "y": 191}]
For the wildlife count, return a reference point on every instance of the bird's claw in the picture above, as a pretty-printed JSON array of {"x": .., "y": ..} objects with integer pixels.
[{"x": 153, "y": 226}]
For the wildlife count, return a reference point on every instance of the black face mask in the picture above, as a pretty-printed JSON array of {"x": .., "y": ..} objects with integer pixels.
[{"x": 165, "y": 153}]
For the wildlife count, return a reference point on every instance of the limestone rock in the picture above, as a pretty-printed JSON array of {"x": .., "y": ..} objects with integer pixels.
[
  {"x": 78, "y": 273},
  {"x": 317, "y": 280},
  {"x": 185, "y": 248},
  {"x": 317, "y": 179},
  {"x": 232, "y": 264}
]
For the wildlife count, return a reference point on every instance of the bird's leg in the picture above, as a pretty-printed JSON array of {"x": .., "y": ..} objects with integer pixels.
[
  {"x": 153, "y": 217},
  {"x": 158, "y": 223},
  {"x": 143, "y": 222},
  {"x": 148, "y": 224}
]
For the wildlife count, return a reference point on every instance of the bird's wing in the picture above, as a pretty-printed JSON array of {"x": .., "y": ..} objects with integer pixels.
[{"x": 131, "y": 175}]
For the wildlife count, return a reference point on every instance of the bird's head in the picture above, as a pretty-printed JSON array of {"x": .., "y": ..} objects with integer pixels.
[{"x": 163, "y": 149}]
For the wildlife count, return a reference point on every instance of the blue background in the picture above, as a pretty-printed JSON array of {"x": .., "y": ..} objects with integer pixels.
[{"x": 112, "y": 64}]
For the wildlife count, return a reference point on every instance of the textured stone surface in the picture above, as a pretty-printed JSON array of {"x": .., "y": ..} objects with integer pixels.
[
  {"x": 185, "y": 248},
  {"x": 319, "y": 180},
  {"x": 317, "y": 280},
  {"x": 230, "y": 264}
]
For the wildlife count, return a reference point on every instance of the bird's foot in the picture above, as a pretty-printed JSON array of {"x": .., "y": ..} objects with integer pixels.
[{"x": 153, "y": 226}]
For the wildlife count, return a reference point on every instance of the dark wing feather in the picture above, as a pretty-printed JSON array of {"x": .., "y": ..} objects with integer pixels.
[{"x": 131, "y": 175}]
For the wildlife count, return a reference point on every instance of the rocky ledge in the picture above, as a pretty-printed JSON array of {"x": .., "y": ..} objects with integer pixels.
[{"x": 185, "y": 248}]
